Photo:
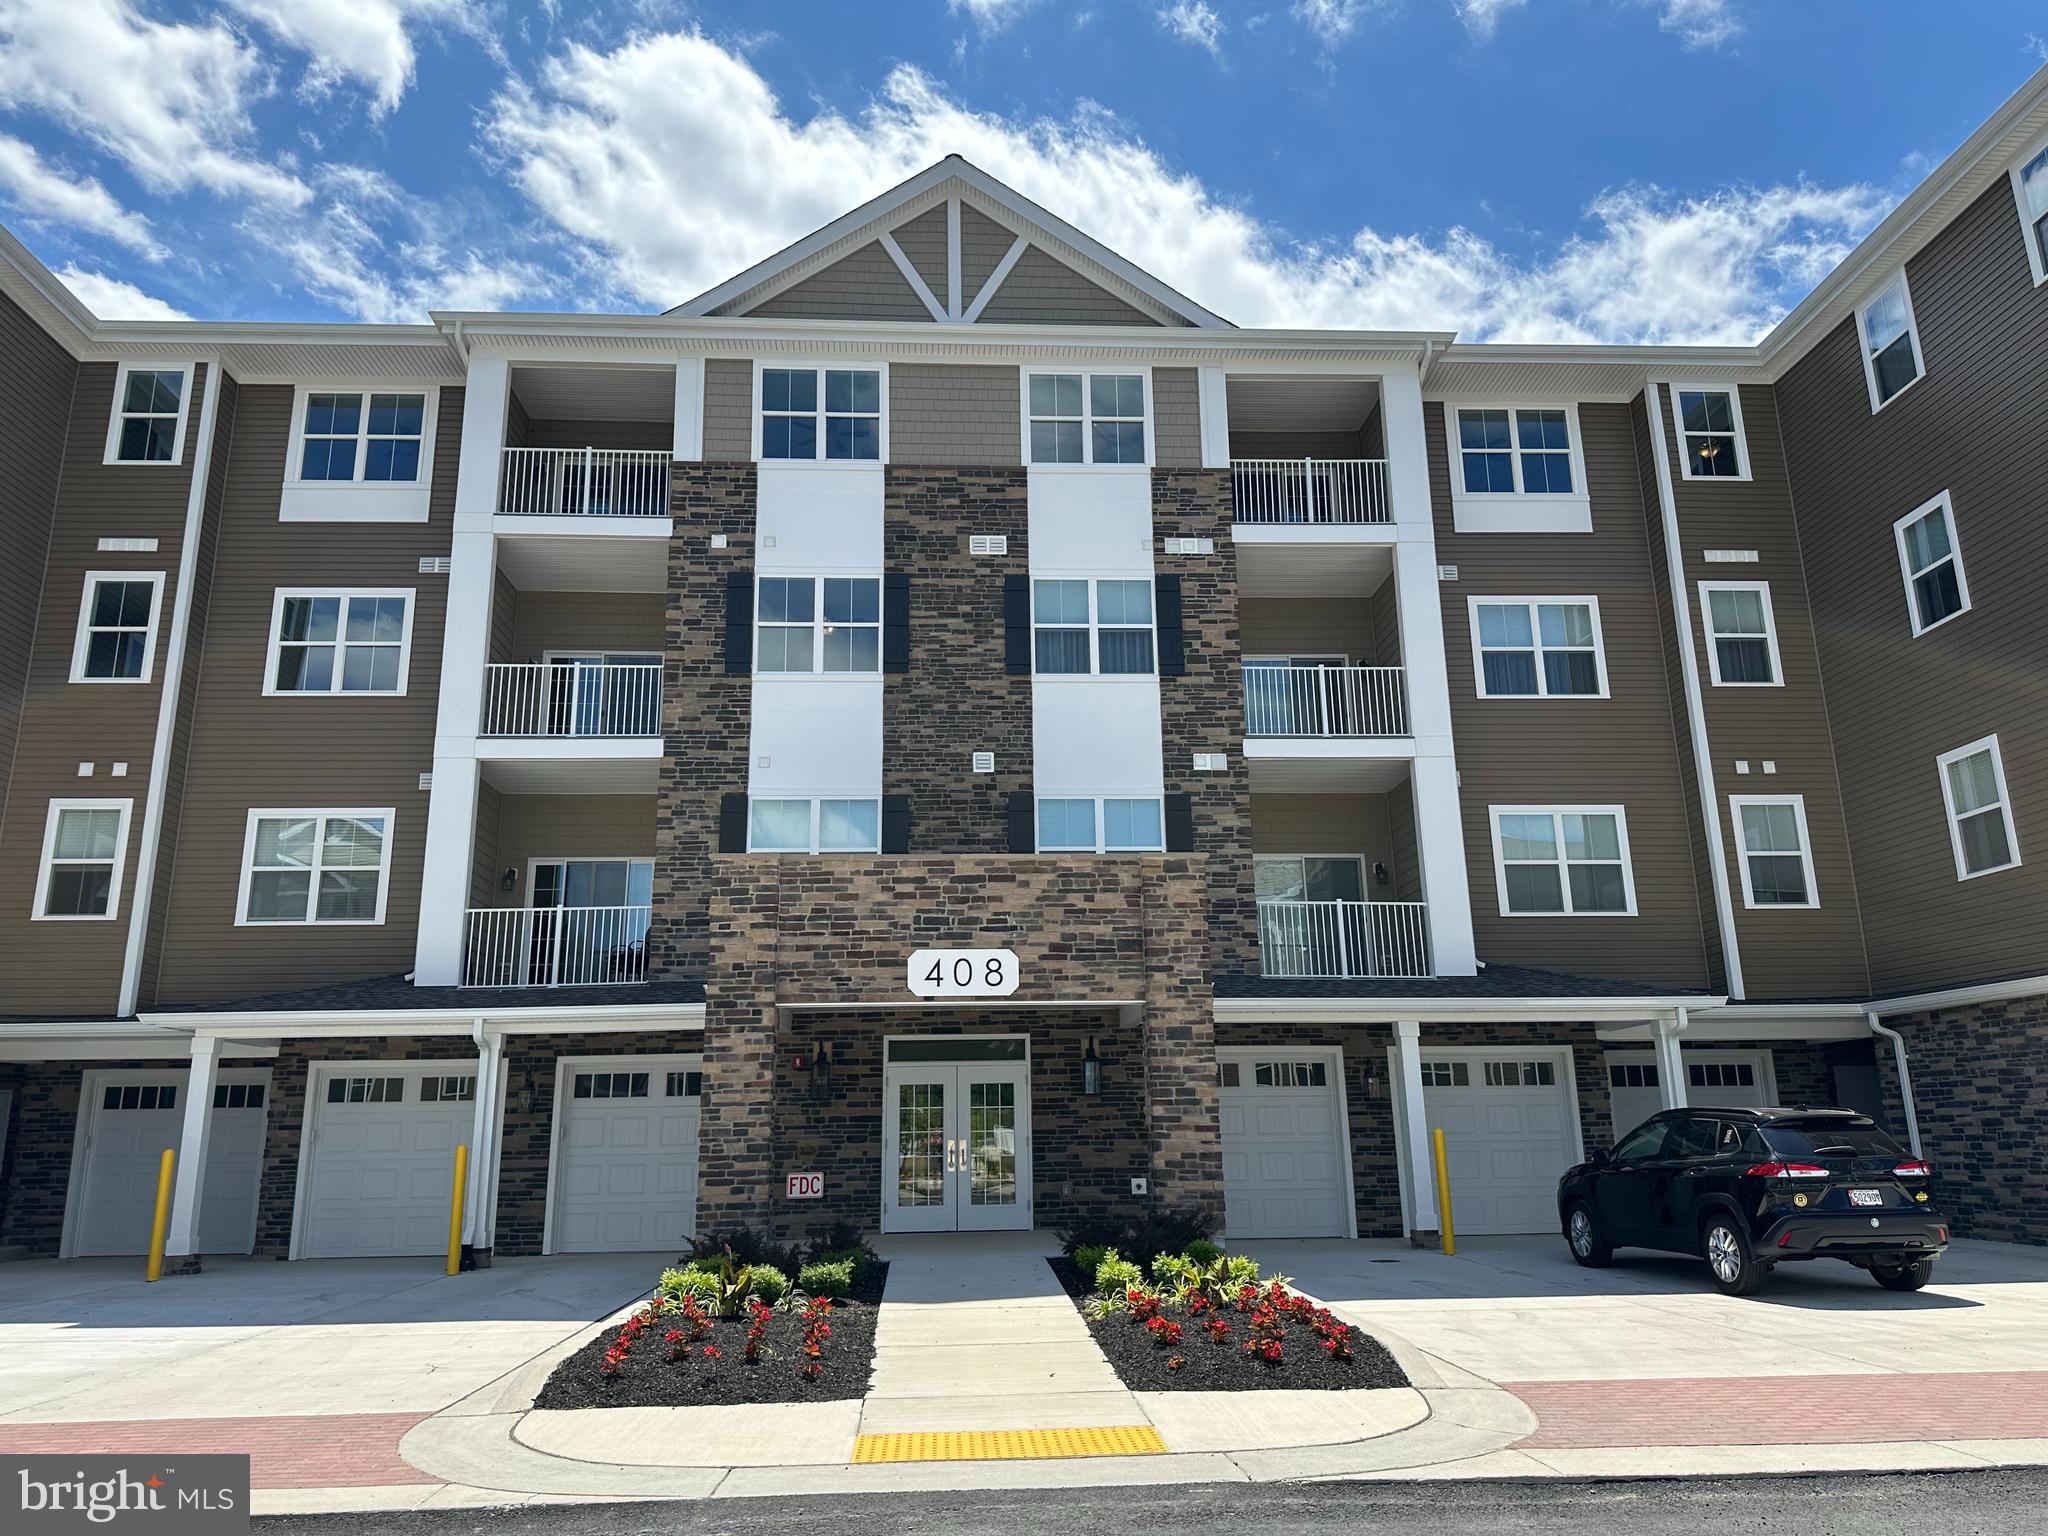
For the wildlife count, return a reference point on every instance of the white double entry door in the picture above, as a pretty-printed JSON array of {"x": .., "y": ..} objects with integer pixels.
[{"x": 956, "y": 1134}]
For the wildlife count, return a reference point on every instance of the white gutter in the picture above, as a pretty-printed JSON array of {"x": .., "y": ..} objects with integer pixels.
[
  {"x": 175, "y": 645},
  {"x": 1695, "y": 703},
  {"x": 231, "y": 1023},
  {"x": 1961, "y": 997},
  {"x": 1387, "y": 1010},
  {"x": 1905, "y": 1078}
]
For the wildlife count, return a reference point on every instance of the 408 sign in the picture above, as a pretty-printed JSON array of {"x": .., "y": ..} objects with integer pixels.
[{"x": 963, "y": 972}]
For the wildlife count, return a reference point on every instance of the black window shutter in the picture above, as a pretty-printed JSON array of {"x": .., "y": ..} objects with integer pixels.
[
  {"x": 1023, "y": 818},
  {"x": 1173, "y": 643},
  {"x": 739, "y": 623},
  {"x": 732, "y": 823},
  {"x": 895, "y": 823},
  {"x": 1017, "y": 627},
  {"x": 1180, "y": 823},
  {"x": 896, "y": 623}
]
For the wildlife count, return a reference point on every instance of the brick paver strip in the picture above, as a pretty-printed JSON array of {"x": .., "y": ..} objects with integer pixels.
[
  {"x": 1778, "y": 1410},
  {"x": 343, "y": 1450}
]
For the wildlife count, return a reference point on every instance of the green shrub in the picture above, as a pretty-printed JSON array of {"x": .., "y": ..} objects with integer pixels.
[
  {"x": 1090, "y": 1257},
  {"x": 1116, "y": 1275},
  {"x": 826, "y": 1277},
  {"x": 842, "y": 1240},
  {"x": 766, "y": 1283},
  {"x": 746, "y": 1247},
  {"x": 1172, "y": 1270},
  {"x": 688, "y": 1281},
  {"x": 860, "y": 1258},
  {"x": 1202, "y": 1251}
]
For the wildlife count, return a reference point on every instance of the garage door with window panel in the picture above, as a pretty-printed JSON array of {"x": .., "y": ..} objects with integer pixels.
[
  {"x": 1507, "y": 1119},
  {"x": 1714, "y": 1080},
  {"x": 381, "y": 1157},
  {"x": 626, "y": 1154},
  {"x": 1285, "y": 1157},
  {"x": 130, "y": 1118}
]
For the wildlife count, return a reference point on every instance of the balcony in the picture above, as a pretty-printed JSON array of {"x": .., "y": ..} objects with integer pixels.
[
  {"x": 554, "y": 946},
  {"x": 1310, "y": 492},
  {"x": 593, "y": 699},
  {"x": 1344, "y": 938},
  {"x": 584, "y": 482},
  {"x": 1324, "y": 701}
]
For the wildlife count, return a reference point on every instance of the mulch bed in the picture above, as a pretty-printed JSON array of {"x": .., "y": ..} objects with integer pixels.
[
  {"x": 649, "y": 1379},
  {"x": 1141, "y": 1363}
]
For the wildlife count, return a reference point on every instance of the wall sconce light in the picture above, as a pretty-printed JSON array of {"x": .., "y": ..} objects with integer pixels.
[
  {"x": 1380, "y": 874},
  {"x": 522, "y": 1096},
  {"x": 509, "y": 881},
  {"x": 821, "y": 1071},
  {"x": 1091, "y": 1070},
  {"x": 1374, "y": 1089}
]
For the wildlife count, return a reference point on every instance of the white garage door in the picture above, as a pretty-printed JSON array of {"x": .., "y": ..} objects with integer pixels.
[
  {"x": 1714, "y": 1080},
  {"x": 381, "y": 1158},
  {"x": 626, "y": 1164},
  {"x": 1506, "y": 1119},
  {"x": 1283, "y": 1145},
  {"x": 131, "y": 1116}
]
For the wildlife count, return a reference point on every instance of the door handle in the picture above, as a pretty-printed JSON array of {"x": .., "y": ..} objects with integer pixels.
[{"x": 952, "y": 1156}]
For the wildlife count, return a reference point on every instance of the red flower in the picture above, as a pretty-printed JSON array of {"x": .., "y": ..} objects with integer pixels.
[
  {"x": 712, "y": 1352},
  {"x": 1176, "y": 1362}
]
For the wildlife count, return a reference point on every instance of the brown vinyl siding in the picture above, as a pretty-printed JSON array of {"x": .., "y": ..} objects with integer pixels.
[
  {"x": 1302, "y": 445},
  {"x": 943, "y": 414},
  {"x": 1554, "y": 752},
  {"x": 1785, "y": 951},
  {"x": 1407, "y": 860},
  {"x": 983, "y": 244},
  {"x": 75, "y": 967},
  {"x": 562, "y": 827},
  {"x": 728, "y": 410},
  {"x": 1359, "y": 825},
  {"x": 588, "y": 621},
  {"x": 866, "y": 285},
  {"x": 923, "y": 240},
  {"x": 1041, "y": 290},
  {"x": 1176, "y": 418},
  {"x": 313, "y": 753},
  {"x": 483, "y": 853},
  {"x": 1970, "y": 427},
  {"x": 1386, "y": 625},
  {"x": 1309, "y": 626},
  {"x": 504, "y": 620},
  {"x": 649, "y": 436}
]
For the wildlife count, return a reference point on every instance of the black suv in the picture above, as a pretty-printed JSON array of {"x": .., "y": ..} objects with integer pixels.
[{"x": 1749, "y": 1188}]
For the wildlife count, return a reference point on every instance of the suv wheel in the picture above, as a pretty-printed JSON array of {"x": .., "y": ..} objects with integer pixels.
[
  {"x": 1730, "y": 1259},
  {"x": 1909, "y": 1276},
  {"x": 1582, "y": 1234}
]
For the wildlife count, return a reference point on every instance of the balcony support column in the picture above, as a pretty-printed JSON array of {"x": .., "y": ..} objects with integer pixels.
[
  {"x": 480, "y": 1215},
  {"x": 1415, "y": 1153},
  {"x": 1671, "y": 1081},
  {"x": 181, "y": 1242}
]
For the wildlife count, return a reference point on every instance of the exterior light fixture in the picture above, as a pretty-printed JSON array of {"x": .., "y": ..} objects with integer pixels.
[
  {"x": 1091, "y": 1070},
  {"x": 509, "y": 881},
  {"x": 1381, "y": 874},
  {"x": 821, "y": 1071}
]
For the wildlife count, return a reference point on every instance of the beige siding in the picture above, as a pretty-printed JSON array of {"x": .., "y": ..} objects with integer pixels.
[
  {"x": 565, "y": 827},
  {"x": 1334, "y": 824},
  {"x": 923, "y": 239},
  {"x": 953, "y": 413},
  {"x": 1176, "y": 418},
  {"x": 1043, "y": 291},
  {"x": 1386, "y": 626},
  {"x": 1308, "y": 626},
  {"x": 983, "y": 244},
  {"x": 589, "y": 621},
  {"x": 728, "y": 410},
  {"x": 653, "y": 436},
  {"x": 504, "y": 620},
  {"x": 865, "y": 285},
  {"x": 483, "y": 860},
  {"x": 1301, "y": 445},
  {"x": 1408, "y": 885}
]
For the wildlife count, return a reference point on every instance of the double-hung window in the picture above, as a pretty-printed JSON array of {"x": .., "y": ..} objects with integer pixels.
[
  {"x": 814, "y": 826},
  {"x": 1103, "y": 627},
  {"x": 821, "y": 413},
  {"x": 358, "y": 437},
  {"x": 148, "y": 425},
  {"x": 117, "y": 627},
  {"x": 2030, "y": 187},
  {"x": 1777, "y": 855},
  {"x": 85, "y": 846},
  {"x": 339, "y": 641},
  {"x": 789, "y": 634},
  {"x": 1085, "y": 824},
  {"x": 1932, "y": 564},
  {"x": 1742, "y": 635},
  {"x": 1711, "y": 445},
  {"x": 1891, "y": 344},
  {"x": 1518, "y": 450},
  {"x": 1562, "y": 861},
  {"x": 1980, "y": 826},
  {"x": 315, "y": 867},
  {"x": 1530, "y": 647},
  {"x": 1085, "y": 418}
]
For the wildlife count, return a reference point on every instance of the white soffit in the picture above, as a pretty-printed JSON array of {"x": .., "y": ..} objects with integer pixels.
[
  {"x": 1300, "y": 403},
  {"x": 569, "y": 393}
]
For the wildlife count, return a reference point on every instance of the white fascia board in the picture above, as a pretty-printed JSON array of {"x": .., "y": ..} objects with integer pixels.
[
  {"x": 1738, "y": 1024},
  {"x": 1448, "y": 1010},
  {"x": 348, "y": 1022},
  {"x": 1960, "y": 997}
]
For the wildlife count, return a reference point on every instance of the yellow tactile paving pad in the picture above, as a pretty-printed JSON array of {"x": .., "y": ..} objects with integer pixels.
[{"x": 1010, "y": 1444}]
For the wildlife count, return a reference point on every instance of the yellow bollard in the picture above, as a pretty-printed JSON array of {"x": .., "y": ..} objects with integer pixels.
[
  {"x": 162, "y": 1223},
  {"x": 455, "y": 1208},
  {"x": 1443, "y": 1193}
]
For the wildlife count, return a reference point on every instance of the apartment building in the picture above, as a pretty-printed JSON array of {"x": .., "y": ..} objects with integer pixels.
[{"x": 945, "y": 714}]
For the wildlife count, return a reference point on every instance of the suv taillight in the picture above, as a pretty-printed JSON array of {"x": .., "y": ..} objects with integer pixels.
[
  {"x": 1787, "y": 1171},
  {"x": 1913, "y": 1170}
]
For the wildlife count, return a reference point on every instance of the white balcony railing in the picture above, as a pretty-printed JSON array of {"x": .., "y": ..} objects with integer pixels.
[
  {"x": 572, "y": 698},
  {"x": 1310, "y": 490},
  {"x": 584, "y": 482},
  {"x": 554, "y": 946},
  {"x": 1344, "y": 938},
  {"x": 1325, "y": 701}
]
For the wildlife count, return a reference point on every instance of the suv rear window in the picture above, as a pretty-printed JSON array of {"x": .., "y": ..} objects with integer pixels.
[{"x": 1854, "y": 1138}]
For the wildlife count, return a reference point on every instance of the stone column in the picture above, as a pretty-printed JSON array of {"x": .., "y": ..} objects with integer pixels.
[
  {"x": 736, "y": 1157},
  {"x": 1181, "y": 1105}
]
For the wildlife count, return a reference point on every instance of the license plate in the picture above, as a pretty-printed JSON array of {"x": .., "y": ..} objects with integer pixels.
[{"x": 1866, "y": 1197}]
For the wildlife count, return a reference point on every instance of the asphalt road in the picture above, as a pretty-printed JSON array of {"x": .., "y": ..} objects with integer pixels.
[{"x": 1987, "y": 1503}]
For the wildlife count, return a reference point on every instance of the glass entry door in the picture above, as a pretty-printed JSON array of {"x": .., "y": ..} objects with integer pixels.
[
  {"x": 589, "y": 921},
  {"x": 956, "y": 1135}
]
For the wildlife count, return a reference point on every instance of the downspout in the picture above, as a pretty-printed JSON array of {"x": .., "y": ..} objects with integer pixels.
[{"x": 1905, "y": 1077}]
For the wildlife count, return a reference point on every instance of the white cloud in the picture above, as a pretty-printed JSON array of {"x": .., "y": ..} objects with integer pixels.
[
  {"x": 1332, "y": 21},
  {"x": 363, "y": 40},
  {"x": 2037, "y": 45},
  {"x": 169, "y": 100},
  {"x": 1701, "y": 23},
  {"x": 1482, "y": 17},
  {"x": 990, "y": 15},
  {"x": 674, "y": 190},
  {"x": 1192, "y": 21},
  {"x": 112, "y": 299},
  {"x": 43, "y": 191}
]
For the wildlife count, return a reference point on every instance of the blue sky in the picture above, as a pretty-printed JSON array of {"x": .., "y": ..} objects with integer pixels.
[{"x": 1548, "y": 170}]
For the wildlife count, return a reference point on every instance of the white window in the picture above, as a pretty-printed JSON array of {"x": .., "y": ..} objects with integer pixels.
[
  {"x": 1891, "y": 344},
  {"x": 1711, "y": 445},
  {"x": 1777, "y": 855},
  {"x": 1538, "y": 647},
  {"x": 364, "y": 437},
  {"x": 2030, "y": 188},
  {"x": 790, "y": 638},
  {"x": 150, "y": 406},
  {"x": 315, "y": 867},
  {"x": 814, "y": 826},
  {"x": 85, "y": 848},
  {"x": 1932, "y": 564},
  {"x": 1516, "y": 468},
  {"x": 117, "y": 619},
  {"x": 1979, "y": 811},
  {"x": 339, "y": 641},
  {"x": 1086, "y": 418},
  {"x": 821, "y": 413},
  {"x": 1083, "y": 824},
  {"x": 1742, "y": 634},
  {"x": 1562, "y": 861},
  {"x": 1113, "y": 637}
]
